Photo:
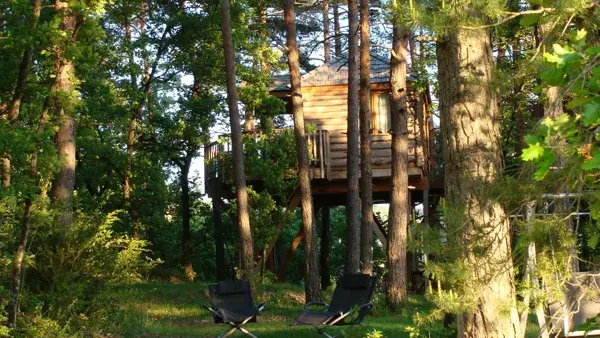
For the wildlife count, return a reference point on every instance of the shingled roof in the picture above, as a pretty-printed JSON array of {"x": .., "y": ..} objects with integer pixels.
[{"x": 336, "y": 73}]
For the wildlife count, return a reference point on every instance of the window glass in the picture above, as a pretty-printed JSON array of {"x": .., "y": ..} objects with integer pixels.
[{"x": 383, "y": 115}]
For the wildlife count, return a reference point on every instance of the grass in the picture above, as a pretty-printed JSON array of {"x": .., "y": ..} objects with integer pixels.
[{"x": 175, "y": 310}]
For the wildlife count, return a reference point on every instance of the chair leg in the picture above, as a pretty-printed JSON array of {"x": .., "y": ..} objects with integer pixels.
[
  {"x": 228, "y": 333},
  {"x": 246, "y": 332}
]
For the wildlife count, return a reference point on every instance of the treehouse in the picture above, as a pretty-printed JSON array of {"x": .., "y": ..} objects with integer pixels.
[{"x": 325, "y": 94}]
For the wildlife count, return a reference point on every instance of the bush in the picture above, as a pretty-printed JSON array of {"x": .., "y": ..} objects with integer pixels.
[{"x": 70, "y": 269}]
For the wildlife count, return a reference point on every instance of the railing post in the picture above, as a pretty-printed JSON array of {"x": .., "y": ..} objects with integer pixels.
[
  {"x": 321, "y": 146},
  {"x": 328, "y": 154}
]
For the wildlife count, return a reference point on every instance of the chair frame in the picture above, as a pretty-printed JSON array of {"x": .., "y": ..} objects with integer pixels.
[
  {"x": 236, "y": 325},
  {"x": 342, "y": 315},
  {"x": 338, "y": 317}
]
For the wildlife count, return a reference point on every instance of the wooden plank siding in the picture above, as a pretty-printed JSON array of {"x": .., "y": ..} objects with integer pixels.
[{"x": 326, "y": 108}]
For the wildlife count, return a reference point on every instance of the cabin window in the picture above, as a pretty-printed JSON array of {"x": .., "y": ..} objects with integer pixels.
[{"x": 382, "y": 116}]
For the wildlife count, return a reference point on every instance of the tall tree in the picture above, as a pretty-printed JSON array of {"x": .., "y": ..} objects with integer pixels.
[
  {"x": 470, "y": 119},
  {"x": 337, "y": 37},
  {"x": 398, "y": 214},
  {"x": 186, "y": 234},
  {"x": 353, "y": 157},
  {"x": 326, "y": 35},
  {"x": 247, "y": 245},
  {"x": 366, "y": 178},
  {"x": 64, "y": 183},
  {"x": 312, "y": 280},
  {"x": 14, "y": 108}
]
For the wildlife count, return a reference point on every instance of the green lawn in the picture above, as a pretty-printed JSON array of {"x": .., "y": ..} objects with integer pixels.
[{"x": 175, "y": 310}]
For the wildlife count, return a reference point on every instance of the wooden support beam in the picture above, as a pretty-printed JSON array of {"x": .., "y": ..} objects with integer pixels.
[
  {"x": 219, "y": 240},
  {"x": 288, "y": 256},
  {"x": 325, "y": 245},
  {"x": 294, "y": 201},
  {"x": 379, "y": 231}
]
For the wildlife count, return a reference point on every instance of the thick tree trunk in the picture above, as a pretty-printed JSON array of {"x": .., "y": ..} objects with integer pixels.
[
  {"x": 366, "y": 178},
  {"x": 14, "y": 108},
  {"x": 186, "y": 234},
  {"x": 64, "y": 183},
  {"x": 353, "y": 198},
  {"x": 398, "y": 216},
  {"x": 326, "y": 37},
  {"x": 246, "y": 245},
  {"x": 311, "y": 267},
  {"x": 325, "y": 242},
  {"x": 337, "y": 38},
  {"x": 470, "y": 126}
]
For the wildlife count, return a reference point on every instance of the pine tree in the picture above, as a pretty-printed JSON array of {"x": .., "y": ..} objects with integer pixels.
[
  {"x": 247, "y": 246},
  {"x": 312, "y": 280}
]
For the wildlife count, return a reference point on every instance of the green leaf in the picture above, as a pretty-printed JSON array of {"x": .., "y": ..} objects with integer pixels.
[
  {"x": 554, "y": 58},
  {"x": 593, "y": 240},
  {"x": 577, "y": 38},
  {"x": 593, "y": 50},
  {"x": 548, "y": 122},
  {"x": 578, "y": 101},
  {"x": 534, "y": 151},
  {"x": 593, "y": 163},
  {"x": 544, "y": 165},
  {"x": 529, "y": 19},
  {"x": 535, "y": 2},
  {"x": 560, "y": 121},
  {"x": 591, "y": 113},
  {"x": 560, "y": 50},
  {"x": 532, "y": 139}
]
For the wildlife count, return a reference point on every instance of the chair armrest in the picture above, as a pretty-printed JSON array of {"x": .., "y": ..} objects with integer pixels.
[
  {"x": 211, "y": 310},
  {"x": 314, "y": 303},
  {"x": 366, "y": 305},
  {"x": 261, "y": 307}
]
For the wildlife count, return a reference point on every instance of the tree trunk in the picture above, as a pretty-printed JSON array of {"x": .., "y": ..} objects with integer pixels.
[
  {"x": 470, "y": 128},
  {"x": 366, "y": 178},
  {"x": 326, "y": 37},
  {"x": 219, "y": 240},
  {"x": 186, "y": 234},
  {"x": 311, "y": 267},
  {"x": 14, "y": 108},
  {"x": 17, "y": 271},
  {"x": 325, "y": 242},
  {"x": 353, "y": 198},
  {"x": 398, "y": 216},
  {"x": 64, "y": 183},
  {"x": 553, "y": 107},
  {"x": 246, "y": 245},
  {"x": 336, "y": 29}
]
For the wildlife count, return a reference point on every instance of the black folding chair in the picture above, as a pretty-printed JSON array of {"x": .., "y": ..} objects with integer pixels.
[
  {"x": 232, "y": 304},
  {"x": 350, "y": 304}
]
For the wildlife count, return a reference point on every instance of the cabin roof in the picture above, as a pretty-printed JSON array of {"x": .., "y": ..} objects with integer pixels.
[{"x": 336, "y": 73}]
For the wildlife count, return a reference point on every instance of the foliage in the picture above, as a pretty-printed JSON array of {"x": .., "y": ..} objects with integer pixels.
[
  {"x": 571, "y": 140},
  {"x": 69, "y": 270},
  {"x": 272, "y": 157}
]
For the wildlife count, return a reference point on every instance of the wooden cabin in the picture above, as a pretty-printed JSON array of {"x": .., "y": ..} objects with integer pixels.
[{"x": 325, "y": 94}]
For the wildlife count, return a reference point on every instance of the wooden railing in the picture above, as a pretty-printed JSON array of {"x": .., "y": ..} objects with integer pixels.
[
  {"x": 218, "y": 153},
  {"x": 319, "y": 154}
]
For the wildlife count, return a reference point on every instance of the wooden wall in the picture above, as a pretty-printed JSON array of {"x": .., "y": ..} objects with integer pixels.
[{"x": 326, "y": 107}]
